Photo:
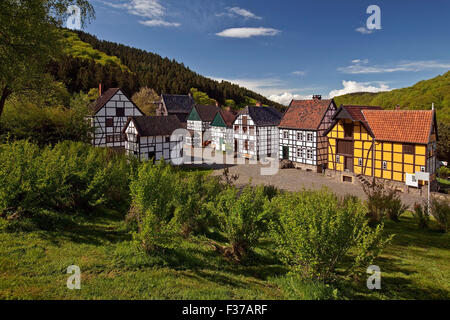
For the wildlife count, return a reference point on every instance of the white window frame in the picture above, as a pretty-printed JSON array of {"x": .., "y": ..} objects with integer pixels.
[
  {"x": 300, "y": 136},
  {"x": 309, "y": 154},
  {"x": 384, "y": 165},
  {"x": 360, "y": 162},
  {"x": 309, "y": 137},
  {"x": 286, "y": 134}
]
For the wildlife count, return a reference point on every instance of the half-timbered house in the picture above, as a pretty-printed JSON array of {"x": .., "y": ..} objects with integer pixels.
[
  {"x": 301, "y": 132},
  {"x": 175, "y": 104},
  {"x": 199, "y": 123},
  {"x": 150, "y": 138},
  {"x": 383, "y": 144},
  {"x": 255, "y": 132},
  {"x": 222, "y": 130},
  {"x": 109, "y": 115}
]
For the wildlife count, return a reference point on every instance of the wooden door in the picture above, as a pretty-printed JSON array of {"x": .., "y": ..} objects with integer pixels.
[
  {"x": 285, "y": 152},
  {"x": 348, "y": 163}
]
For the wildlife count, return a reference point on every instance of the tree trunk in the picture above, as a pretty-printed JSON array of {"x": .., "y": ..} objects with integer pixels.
[{"x": 5, "y": 94}]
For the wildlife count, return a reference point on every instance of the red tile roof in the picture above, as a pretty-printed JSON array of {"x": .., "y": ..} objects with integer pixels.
[
  {"x": 355, "y": 111},
  {"x": 410, "y": 126},
  {"x": 305, "y": 114},
  {"x": 228, "y": 117},
  {"x": 104, "y": 98}
]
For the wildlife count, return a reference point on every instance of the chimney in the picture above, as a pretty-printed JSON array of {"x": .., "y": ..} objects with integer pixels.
[
  {"x": 258, "y": 104},
  {"x": 217, "y": 103},
  {"x": 227, "y": 108},
  {"x": 99, "y": 89},
  {"x": 397, "y": 107},
  {"x": 432, "y": 106},
  {"x": 317, "y": 97}
]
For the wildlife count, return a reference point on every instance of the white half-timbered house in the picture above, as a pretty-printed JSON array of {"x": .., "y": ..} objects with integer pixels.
[
  {"x": 222, "y": 130},
  {"x": 301, "y": 133},
  {"x": 110, "y": 113},
  {"x": 255, "y": 131},
  {"x": 198, "y": 124},
  {"x": 175, "y": 104},
  {"x": 150, "y": 138}
]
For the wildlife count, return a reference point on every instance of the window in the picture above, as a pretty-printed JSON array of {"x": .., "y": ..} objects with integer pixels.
[
  {"x": 252, "y": 145},
  {"x": 345, "y": 147},
  {"x": 422, "y": 169},
  {"x": 244, "y": 129},
  {"x": 384, "y": 165},
  {"x": 360, "y": 162},
  {"x": 167, "y": 139},
  {"x": 309, "y": 137},
  {"x": 300, "y": 153},
  {"x": 252, "y": 130},
  {"x": 109, "y": 138},
  {"x": 244, "y": 120},
  {"x": 246, "y": 145},
  {"x": 348, "y": 130},
  {"x": 110, "y": 122},
  {"x": 338, "y": 159},
  {"x": 309, "y": 154},
  {"x": 300, "y": 136},
  {"x": 119, "y": 138},
  {"x": 120, "y": 112},
  {"x": 408, "y": 148},
  {"x": 236, "y": 128},
  {"x": 286, "y": 134}
]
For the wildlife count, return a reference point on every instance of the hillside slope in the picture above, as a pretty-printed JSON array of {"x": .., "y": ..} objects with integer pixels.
[
  {"x": 115, "y": 64},
  {"x": 419, "y": 96}
]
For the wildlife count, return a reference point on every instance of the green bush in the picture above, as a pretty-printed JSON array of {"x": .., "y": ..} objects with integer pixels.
[
  {"x": 296, "y": 288},
  {"x": 383, "y": 203},
  {"x": 69, "y": 177},
  {"x": 316, "y": 232},
  {"x": 243, "y": 217},
  {"x": 443, "y": 172},
  {"x": 421, "y": 216},
  {"x": 440, "y": 209},
  {"x": 154, "y": 192}
]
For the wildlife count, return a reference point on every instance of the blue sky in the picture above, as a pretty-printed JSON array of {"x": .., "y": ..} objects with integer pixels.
[{"x": 288, "y": 49}]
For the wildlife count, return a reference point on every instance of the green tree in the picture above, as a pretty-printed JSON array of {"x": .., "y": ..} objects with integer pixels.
[
  {"x": 29, "y": 38},
  {"x": 147, "y": 100}
]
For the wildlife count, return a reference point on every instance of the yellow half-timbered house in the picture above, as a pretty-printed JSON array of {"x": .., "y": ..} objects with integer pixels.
[{"x": 385, "y": 144}]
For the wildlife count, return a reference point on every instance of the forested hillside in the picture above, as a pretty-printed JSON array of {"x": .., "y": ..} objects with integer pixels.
[
  {"x": 90, "y": 61},
  {"x": 419, "y": 96}
]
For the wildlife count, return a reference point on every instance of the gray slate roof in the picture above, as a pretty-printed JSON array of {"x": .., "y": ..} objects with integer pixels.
[
  {"x": 155, "y": 125},
  {"x": 263, "y": 116},
  {"x": 176, "y": 103}
]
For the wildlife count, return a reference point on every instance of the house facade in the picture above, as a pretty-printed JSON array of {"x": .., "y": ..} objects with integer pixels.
[
  {"x": 177, "y": 105},
  {"x": 255, "y": 132},
  {"x": 110, "y": 113},
  {"x": 150, "y": 138},
  {"x": 199, "y": 124},
  {"x": 301, "y": 133},
  {"x": 383, "y": 144},
  {"x": 222, "y": 130}
]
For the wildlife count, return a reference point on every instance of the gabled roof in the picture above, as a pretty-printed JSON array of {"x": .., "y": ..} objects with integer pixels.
[
  {"x": 263, "y": 116},
  {"x": 409, "y": 126},
  {"x": 353, "y": 113},
  {"x": 176, "y": 103},
  {"x": 106, "y": 96},
  {"x": 155, "y": 125},
  {"x": 206, "y": 113},
  {"x": 305, "y": 114},
  {"x": 224, "y": 118}
]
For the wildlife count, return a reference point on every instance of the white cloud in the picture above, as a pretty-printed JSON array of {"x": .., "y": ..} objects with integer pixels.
[
  {"x": 361, "y": 67},
  {"x": 239, "y": 12},
  {"x": 248, "y": 32},
  {"x": 363, "y": 30},
  {"x": 153, "y": 10},
  {"x": 353, "y": 86},
  {"x": 286, "y": 97},
  {"x": 299, "y": 73}
]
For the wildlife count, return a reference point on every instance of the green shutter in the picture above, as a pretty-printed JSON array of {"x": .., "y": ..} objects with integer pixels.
[
  {"x": 194, "y": 115},
  {"x": 218, "y": 121}
]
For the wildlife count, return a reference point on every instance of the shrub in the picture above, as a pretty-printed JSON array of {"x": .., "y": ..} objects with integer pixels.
[
  {"x": 421, "y": 216},
  {"x": 440, "y": 209},
  {"x": 194, "y": 194},
  {"x": 316, "y": 232},
  {"x": 443, "y": 172},
  {"x": 243, "y": 217},
  {"x": 383, "y": 203},
  {"x": 153, "y": 193},
  {"x": 296, "y": 288}
]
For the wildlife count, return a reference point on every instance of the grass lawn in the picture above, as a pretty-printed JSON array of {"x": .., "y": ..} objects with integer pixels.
[{"x": 33, "y": 266}]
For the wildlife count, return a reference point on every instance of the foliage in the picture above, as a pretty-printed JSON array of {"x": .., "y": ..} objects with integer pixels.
[
  {"x": 443, "y": 143},
  {"x": 383, "y": 203},
  {"x": 296, "y": 288},
  {"x": 69, "y": 177},
  {"x": 30, "y": 40},
  {"x": 443, "y": 172},
  {"x": 440, "y": 209},
  {"x": 195, "y": 194},
  {"x": 421, "y": 216},
  {"x": 153, "y": 192},
  {"x": 316, "y": 232},
  {"x": 147, "y": 100},
  {"x": 24, "y": 119},
  {"x": 243, "y": 218},
  {"x": 201, "y": 98}
]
